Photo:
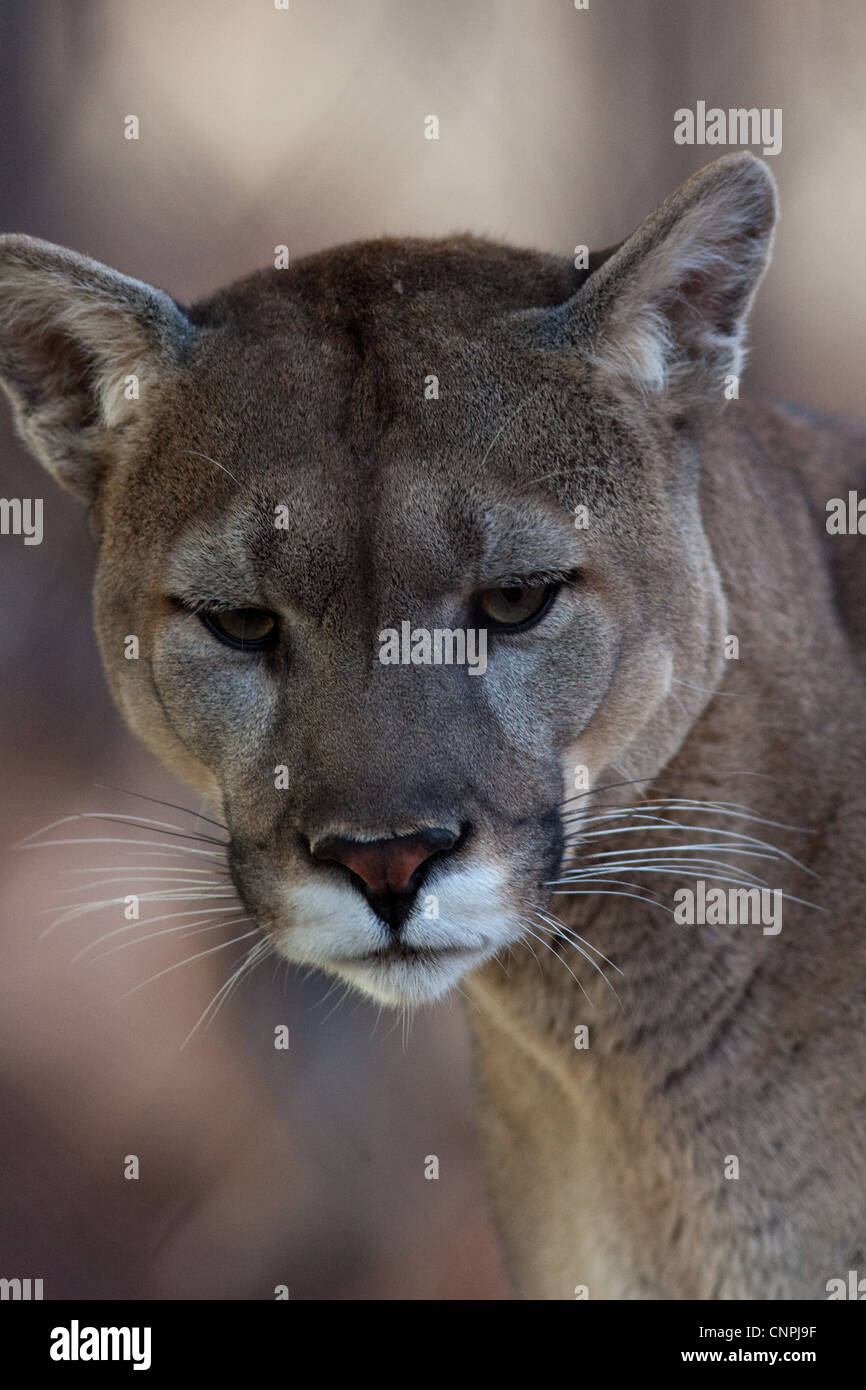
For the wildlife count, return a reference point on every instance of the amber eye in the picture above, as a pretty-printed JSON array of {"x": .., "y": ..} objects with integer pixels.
[
  {"x": 516, "y": 606},
  {"x": 249, "y": 629}
]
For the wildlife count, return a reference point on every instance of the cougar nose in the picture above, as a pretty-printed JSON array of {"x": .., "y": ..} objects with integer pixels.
[{"x": 389, "y": 871}]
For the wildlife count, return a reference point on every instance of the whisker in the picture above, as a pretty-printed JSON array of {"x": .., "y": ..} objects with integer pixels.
[
  {"x": 71, "y": 914},
  {"x": 605, "y": 893},
  {"x": 326, "y": 996},
  {"x": 681, "y": 872},
  {"x": 636, "y": 781},
  {"x": 559, "y": 929},
  {"x": 195, "y": 453},
  {"x": 341, "y": 1000},
  {"x": 570, "y": 931},
  {"x": 509, "y": 420},
  {"x": 743, "y": 842},
  {"x": 133, "y": 822},
  {"x": 690, "y": 861},
  {"x": 650, "y": 821},
  {"x": 741, "y": 848},
  {"x": 741, "y": 695},
  {"x": 588, "y": 876},
  {"x": 394, "y": 1025},
  {"x": 254, "y": 957},
  {"x": 107, "y": 840},
  {"x": 131, "y": 877},
  {"x": 376, "y": 1022},
  {"x": 158, "y": 853},
  {"x": 468, "y": 998},
  {"x": 191, "y": 929},
  {"x": 526, "y": 926},
  {"x": 186, "y": 810},
  {"x": 529, "y": 948},
  {"x": 201, "y": 955},
  {"x": 408, "y": 1019},
  {"x": 740, "y": 810},
  {"x": 691, "y": 869},
  {"x": 131, "y": 926}
]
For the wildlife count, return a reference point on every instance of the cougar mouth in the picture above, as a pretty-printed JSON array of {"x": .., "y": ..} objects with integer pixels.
[{"x": 398, "y": 953}]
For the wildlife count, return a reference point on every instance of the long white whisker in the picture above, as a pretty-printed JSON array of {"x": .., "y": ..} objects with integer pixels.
[
  {"x": 722, "y": 808},
  {"x": 570, "y": 931},
  {"x": 169, "y": 870},
  {"x": 636, "y": 781},
  {"x": 184, "y": 895},
  {"x": 173, "y": 893},
  {"x": 132, "y": 878},
  {"x": 326, "y": 996},
  {"x": 689, "y": 868},
  {"x": 604, "y": 893},
  {"x": 222, "y": 947},
  {"x": 254, "y": 956},
  {"x": 587, "y": 876},
  {"x": 131, "y": 926},
  {"x": 191, "y": 929},
  {"x": 559, "y": 929},
  {"x": 527, "y": 928},
  {"x": 112, "y": 840},
  {"x": 699, "y": 848},
  {"x": 742, "y": 841},
  {"x": 682, "y": 872},
  {"x": 134, "y": 822},
  {"x": 341, "y": 1000},
  {"x": 532, "y": 953}
]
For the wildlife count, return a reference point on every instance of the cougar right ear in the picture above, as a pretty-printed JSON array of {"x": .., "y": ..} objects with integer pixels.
[
  {"x": 79, "y": 346},
  {"x": 666, "y": 313}
]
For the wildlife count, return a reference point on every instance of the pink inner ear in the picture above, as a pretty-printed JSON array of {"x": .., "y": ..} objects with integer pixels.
[
  {"x": 50, "y": 363},
  {"x": 716, "y": 293}
]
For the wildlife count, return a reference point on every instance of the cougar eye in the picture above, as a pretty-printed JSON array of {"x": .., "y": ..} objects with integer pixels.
[
  {"x": 517, "y": 606},
  {"x": 250, "y": 629}
]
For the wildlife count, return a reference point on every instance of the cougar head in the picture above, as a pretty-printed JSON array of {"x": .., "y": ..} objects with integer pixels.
[{"x": 300, "y": 484}]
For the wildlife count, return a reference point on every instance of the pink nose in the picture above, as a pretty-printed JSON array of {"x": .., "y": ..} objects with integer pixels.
[{"x": 386, "y": 866}]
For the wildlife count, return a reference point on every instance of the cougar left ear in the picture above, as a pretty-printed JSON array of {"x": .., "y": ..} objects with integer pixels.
[
  {"x": 667, "y": 312},
  {"x": 78, "y": 342}
]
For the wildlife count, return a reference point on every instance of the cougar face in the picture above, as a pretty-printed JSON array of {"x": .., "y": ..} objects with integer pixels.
[{"x": 299, "y": 483}]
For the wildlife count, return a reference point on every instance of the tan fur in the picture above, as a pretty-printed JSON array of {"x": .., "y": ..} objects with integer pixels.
[{"x": 559, "y": 389}]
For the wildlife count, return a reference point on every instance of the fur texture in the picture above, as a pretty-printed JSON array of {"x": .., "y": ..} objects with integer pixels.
[{"x": 303, "y": 391}]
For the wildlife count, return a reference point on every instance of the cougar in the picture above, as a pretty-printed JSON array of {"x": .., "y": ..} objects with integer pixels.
[{"x": 310, "y": 491}]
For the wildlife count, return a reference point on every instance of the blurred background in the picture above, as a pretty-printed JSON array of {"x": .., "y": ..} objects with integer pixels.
[{"x": 261, "y": 127}]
